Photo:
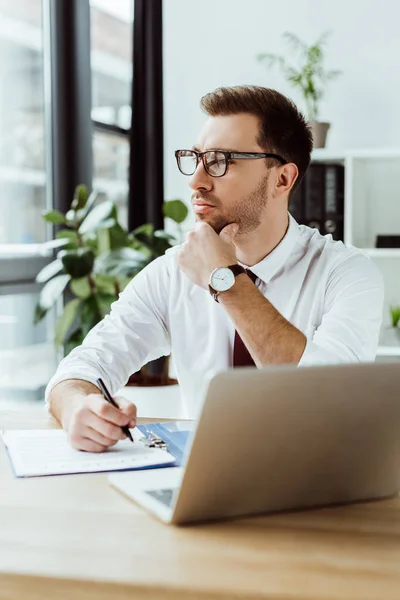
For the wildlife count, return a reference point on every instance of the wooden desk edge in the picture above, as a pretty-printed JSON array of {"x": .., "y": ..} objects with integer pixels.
[{"x": 16, "y": 586}]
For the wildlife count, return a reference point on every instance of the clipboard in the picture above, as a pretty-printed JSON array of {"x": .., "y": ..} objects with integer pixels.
[{"x": 172, "y": 436}]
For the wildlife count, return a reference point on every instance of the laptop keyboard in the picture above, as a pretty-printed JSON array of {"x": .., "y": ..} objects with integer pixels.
[{"x": 164, "y": 496}]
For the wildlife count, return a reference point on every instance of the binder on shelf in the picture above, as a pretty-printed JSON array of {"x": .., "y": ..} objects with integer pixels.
[
  {"x": 314, "y": 196},
  {"x": 296, "y": 205},
  {"x": 319, "y": 200},
  {"x": 334, "y": 201}
]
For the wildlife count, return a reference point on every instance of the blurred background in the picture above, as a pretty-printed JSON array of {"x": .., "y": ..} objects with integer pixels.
[{"x": 102, "y": 92}]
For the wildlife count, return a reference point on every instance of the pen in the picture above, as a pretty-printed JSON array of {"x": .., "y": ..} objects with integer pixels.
[{"x": 110, "y": 399}]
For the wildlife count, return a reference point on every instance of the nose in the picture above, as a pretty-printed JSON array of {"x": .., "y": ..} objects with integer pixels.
[{"x": 200, "y": 178}]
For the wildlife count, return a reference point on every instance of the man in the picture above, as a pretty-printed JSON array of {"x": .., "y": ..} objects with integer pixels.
[{"x": 306, "y": 299}]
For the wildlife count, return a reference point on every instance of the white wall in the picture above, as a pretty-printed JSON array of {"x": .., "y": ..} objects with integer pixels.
[{"x": 210, "y": 43}]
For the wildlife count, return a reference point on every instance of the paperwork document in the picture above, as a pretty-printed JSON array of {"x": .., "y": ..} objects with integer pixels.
[{"x": 47, "y": 452}]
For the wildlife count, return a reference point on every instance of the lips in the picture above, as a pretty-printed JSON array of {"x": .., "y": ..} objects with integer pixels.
[
  {"x": 201, "y": 202},
  {"x": 202, "y": 208}
]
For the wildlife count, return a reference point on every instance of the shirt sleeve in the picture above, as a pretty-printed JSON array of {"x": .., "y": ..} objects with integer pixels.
[
  {"x": 349, "y": 329},
  {"x": 134, "y": 333}
]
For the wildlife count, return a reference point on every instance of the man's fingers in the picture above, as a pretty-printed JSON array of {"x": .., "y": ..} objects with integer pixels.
[
  {"x": 86, "y": 444},
  {"x": 95, "y": 436},
  {"x": 128, "y": 409},
  {"x": 229, "y": 232},
  {"x": 107, "y": 429},
  {"x": 106, "y": 411}
]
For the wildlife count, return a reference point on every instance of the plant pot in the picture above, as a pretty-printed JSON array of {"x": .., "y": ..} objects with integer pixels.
[
  {"x": 155, "y": 373},
  {"x": 319, "y": 132}
]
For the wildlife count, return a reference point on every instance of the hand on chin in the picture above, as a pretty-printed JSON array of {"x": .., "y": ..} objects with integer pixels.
[{"x": 204, "y": 250}]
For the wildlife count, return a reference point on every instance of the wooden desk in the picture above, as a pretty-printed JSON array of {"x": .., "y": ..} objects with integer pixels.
[{"x": 75, "y": 537}]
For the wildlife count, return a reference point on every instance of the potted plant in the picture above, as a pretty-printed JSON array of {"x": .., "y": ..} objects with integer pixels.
[
  {"x": 309, "y": 76},
  {"x": 392, "y": 337},
  {"x": 98, "y": 258}
]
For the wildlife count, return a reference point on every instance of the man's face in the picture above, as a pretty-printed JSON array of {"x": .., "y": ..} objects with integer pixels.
[{"x": 241, "y": 195}]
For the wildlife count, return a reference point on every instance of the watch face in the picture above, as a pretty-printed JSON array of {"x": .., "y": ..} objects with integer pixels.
[{"x": 222, "y": 279}]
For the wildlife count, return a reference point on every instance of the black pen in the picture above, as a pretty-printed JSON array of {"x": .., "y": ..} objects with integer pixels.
[{"x": 110, "y": 399}]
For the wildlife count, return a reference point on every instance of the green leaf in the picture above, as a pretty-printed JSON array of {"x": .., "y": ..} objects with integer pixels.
[
  {"x": 97, "y": 215},
  {"x": 40, "y": 313},
  {"x": 81, "y": 287},
  {"x": 90, "y": 315},
  {"x": 103, "y": 241},
  {"x": 94, "y": 194},
  {"x": 49, "y": 271},
  {"x": 70, "y": 237},
  {"x": 160, "y": 233},
  {"x": 175, "y": 210},
  {"x": 80, "y": 197},
  {"x": 395, "y": 315},
  {"x": 70, "y": 217},
  {"x": 82, "y": 212},
  {"x": 106, "y": 225},
  {"x": 105, "y": 283},
  {"x": 295, "y": 41},
  {"x": 118, "y": 237},
  {"x": 54, "y": 216},
  {"x": 74, "y": 339},
  {"x": 271, "y": 59},
  {"x": 66, "y": 320},
  {"x": 78, "y": 263},
  {"x": 51, "y": 292},
  {"x": 105, "y": 301},
  {"x": 125, "y": 262},
  {"x": 145, "y": 230},
  {"x": 160, "y": 245}
]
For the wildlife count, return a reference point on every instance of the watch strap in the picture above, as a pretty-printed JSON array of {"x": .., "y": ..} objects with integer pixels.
[{"x": 236, "y": 270}]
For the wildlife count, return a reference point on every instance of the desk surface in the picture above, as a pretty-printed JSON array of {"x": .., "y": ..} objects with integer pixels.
[{"x": 76, "y": 537}]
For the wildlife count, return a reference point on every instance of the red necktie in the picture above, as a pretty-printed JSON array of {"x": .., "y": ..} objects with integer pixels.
[{"x": 241, "y": 356}]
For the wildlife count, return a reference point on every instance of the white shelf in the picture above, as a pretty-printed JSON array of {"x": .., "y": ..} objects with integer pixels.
[
  {"x": 388, "y": 351},
  {"x": 322, "y": 154},
  {"x": 325, "y": 154},
  {"x": 382, "y": 252}
]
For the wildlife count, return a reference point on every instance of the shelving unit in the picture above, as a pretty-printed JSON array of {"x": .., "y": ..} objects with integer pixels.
[{"x": 372, "y": 207}]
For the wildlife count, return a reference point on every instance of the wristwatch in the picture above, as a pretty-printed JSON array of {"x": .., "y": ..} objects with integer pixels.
[{"x": 223, "y": 278}]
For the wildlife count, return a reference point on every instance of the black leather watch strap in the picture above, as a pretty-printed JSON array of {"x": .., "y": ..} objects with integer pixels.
[{"x": 236, "y": 270}]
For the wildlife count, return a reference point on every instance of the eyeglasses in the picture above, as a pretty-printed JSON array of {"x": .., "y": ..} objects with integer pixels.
[{"x": 215, "y": 162}]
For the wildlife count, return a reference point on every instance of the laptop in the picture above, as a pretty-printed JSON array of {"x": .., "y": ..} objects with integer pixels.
[{"x": 281, "y": 438}]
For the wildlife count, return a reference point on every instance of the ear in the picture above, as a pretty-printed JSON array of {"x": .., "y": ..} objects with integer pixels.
[{"x": 286, "y": 177}]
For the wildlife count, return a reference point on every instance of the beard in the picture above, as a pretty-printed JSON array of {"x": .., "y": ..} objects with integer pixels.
[{"x": 247, "y": 212}]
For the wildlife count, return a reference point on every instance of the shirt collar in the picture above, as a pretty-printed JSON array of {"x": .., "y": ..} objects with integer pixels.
[{"x": 270, "y": 265}]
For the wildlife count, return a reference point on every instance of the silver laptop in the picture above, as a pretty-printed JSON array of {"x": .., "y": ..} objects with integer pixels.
[{"x": 281, "y": 438}]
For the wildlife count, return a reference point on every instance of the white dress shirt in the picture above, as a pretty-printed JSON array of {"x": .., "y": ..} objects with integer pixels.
[{"x": 330, "y": 292}]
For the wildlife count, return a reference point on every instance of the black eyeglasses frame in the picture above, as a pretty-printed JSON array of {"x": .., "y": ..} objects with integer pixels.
[{"x": 228, "y": 157}]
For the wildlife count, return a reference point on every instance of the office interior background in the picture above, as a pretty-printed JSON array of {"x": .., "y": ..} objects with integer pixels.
[{"x": 204, "y": 45}]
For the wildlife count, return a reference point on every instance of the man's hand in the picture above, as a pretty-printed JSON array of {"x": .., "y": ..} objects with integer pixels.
[
  {"x": 205, "y": 250},
  {"x": 92, "y": 424}
]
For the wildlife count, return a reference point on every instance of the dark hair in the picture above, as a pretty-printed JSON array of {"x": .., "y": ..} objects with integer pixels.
[{"x": 283, "y": 129}]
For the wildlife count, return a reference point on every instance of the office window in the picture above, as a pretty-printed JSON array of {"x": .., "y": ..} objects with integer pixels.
[
  {"x": 22, "y": 180},
  {"x": 111, "y": 60},
  {"x": 27, "y": 354}
]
